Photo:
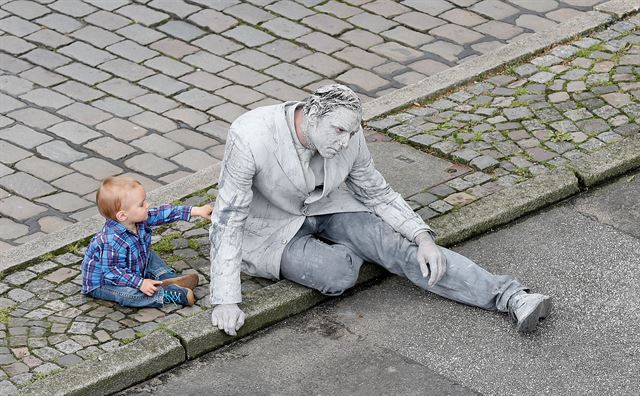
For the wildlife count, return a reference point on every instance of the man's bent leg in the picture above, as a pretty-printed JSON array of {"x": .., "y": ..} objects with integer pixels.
[
  {"x": 369, "y": 237},
  {"x": 306, "y": 260}
]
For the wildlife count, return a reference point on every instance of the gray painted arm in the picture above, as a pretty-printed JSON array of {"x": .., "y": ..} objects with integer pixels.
[{"x": 228, "y": 219}]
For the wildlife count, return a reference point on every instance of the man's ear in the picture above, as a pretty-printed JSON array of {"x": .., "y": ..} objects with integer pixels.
[{"x": 121, "y": 216}]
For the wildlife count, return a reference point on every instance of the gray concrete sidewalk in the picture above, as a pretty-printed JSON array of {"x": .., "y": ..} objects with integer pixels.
[
  {"x": 147, "y": 88},
  {"x": 393, "y": 338}
]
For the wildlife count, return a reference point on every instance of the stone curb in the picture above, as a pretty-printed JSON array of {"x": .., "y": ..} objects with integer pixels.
[
  {"x": 608, "y": 162},
  {"x": 475, "y": 68},
  {"x": 21, "y": 255},
  {"x": 504, "y": 206},
  {"x": 115, "y": 371},
  {"x": 619, "y": 8}
]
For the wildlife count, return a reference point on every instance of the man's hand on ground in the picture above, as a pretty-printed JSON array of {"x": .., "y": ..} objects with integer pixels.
[
  {"x": 227, "y": 317},
  {"x": 430, "y": 253}
]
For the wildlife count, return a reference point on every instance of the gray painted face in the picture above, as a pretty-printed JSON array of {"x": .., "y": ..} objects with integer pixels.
[
  {"x": 333, "y": 131},
  {"x": 331, "y": 116}
]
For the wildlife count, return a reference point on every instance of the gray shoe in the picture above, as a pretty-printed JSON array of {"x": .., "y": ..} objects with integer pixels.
[{"x": 528, "y": 309}]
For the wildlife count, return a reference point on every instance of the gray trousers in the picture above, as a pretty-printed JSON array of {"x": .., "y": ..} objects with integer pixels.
[{"x": 327, "y": 252}]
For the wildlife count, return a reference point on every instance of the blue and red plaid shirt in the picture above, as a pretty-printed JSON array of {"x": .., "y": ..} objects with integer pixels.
[{"x": 116, "y": 256}]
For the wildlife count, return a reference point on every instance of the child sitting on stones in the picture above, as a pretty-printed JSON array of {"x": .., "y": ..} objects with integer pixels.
[{"x": 119, "y": 264}]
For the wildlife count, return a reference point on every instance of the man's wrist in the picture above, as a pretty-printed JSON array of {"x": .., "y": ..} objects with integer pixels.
[{"x": 424, "y": 236}]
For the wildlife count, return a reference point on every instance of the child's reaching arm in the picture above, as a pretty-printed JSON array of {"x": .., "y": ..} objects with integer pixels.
[{"x": 169, "y": 213}]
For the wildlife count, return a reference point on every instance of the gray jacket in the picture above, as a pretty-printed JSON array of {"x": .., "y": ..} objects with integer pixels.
[{"x": 263, "y": 199}]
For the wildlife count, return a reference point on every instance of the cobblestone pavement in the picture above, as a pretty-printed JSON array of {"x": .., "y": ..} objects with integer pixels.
[
  {"x": 539, "y": 115},
  {"x": 562, "y": 105},
  {"x": 148, "y": 87}
]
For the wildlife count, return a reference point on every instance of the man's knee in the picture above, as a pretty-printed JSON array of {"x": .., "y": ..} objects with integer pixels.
[{"x": 344, "y": 276}]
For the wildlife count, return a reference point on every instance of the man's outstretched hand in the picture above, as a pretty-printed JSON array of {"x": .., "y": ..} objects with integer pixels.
[
  {"x": 430, "y": 253},
  {"x": 227, "y": 317}
]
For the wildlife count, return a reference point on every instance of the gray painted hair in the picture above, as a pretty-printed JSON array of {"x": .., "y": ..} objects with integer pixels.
[{"x": 328, "y": 98}]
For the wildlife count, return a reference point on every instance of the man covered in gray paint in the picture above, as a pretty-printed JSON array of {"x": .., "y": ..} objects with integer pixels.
[{"x": 299, "y": 198}]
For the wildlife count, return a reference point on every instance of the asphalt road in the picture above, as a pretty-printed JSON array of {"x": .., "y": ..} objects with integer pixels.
[{"x": 392, "y": 338}]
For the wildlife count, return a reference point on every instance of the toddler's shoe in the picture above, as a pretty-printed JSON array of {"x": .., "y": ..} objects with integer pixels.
[
  {"x": 178, "y": 295},
  {"x": 190, "y": 281}
]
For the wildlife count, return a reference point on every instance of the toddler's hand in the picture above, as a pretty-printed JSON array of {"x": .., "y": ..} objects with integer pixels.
[
  {"x": 148, "y": 286},
  {"x": 202, "y": 211}
]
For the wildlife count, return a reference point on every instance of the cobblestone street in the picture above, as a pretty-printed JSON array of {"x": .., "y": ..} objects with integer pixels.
[
  {"x": 147, "y": 88},
  {"x": 572, "y": 101}
]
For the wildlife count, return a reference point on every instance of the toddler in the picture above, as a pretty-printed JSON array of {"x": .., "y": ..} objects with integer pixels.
[{"x": 119, "y": 264}]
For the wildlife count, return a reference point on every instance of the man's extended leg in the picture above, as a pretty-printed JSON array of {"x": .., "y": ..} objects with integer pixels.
[{"x": 373, "y": 240}]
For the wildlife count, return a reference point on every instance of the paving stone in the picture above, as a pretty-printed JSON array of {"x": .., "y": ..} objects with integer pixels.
[
  {"x": 11, "y": 230},
  {"x": 140, "y": 34},
  {"x": 254, "y": 59},
  {"x": 142, "y": 14},
  {"x": 18, "y": 26},
  {"x": 126, "y": 69},
  {"x": 118, "y": 107},
  {"x": 19, "y": 208},
  {"x": 443, "y": 49},
  {"x": 26, "y": 137},
  {"x": 14, "y": 85},
  {"x": 494, "y": 9},
  {"x": 207, "y": 61},
  {"x": 83, "y": 73},
  {"x": 26, "y": 185},
  {"x": 191, "y": 139},
  {"x": 49, "y": 38},
  {"x": 77, "y": 183},
  {"x": 396, "y": 52},
  {"x": 364, "y": 79},
  {"x": 96, "y": 168},
  {"x": 534, "y": 22},
  {"x": 500, "y": 30},
  {"x": 132, "y": 51},
  {"x": 26, "y": 9},
  {"x": 617, "y": 100},
  {"x": 578, "y": 114},
  {"x": 292, "y": 74},
  {"x": 154, "y": 122},
  {"x": 155, "y": 102},
  {"x": 248, "y": 36},
  {"x": 290, "y": 9},
  {"x": 213, "y": 20},
  {"x": 49, "y": 224},
  {"x": 78, "y": 91},
  {"x": 46, "y": 98},
  {"x": 74, "y": 132},
  {"x": 40, "y": 268},
  {"x": 149, "y": 164},
  {"x": 243, "y": 75},
  {"x": 14, "y": 45},
  {"x": 360, "y": 57},
  {"x": 81, "y": 328},
  {"x": 194, "y": 159},
  {"x": 45, "y": 58},
  {"x": 285, "y": 28},
  {"x": 99, "y": 37},
  {"x": 174, "y": 48},
  {"x": 199, "y": 99},
  {"x": 593, "y": 126},
  {"x": 190, "y": 117},
  {"x": 86, "y": 53},
  {"x": 19, "y": 278},
  {"x": 58, "y": 151}
]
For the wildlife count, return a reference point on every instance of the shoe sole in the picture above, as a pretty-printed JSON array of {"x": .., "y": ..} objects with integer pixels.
[
  {"x": 190, "y": 281},
  {"x": 191, "y": 298},
  {"x": 541, "y": 311}
]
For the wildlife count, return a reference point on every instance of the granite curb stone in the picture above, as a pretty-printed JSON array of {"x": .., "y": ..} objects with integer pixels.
[{"x": 609, "y": 162}]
